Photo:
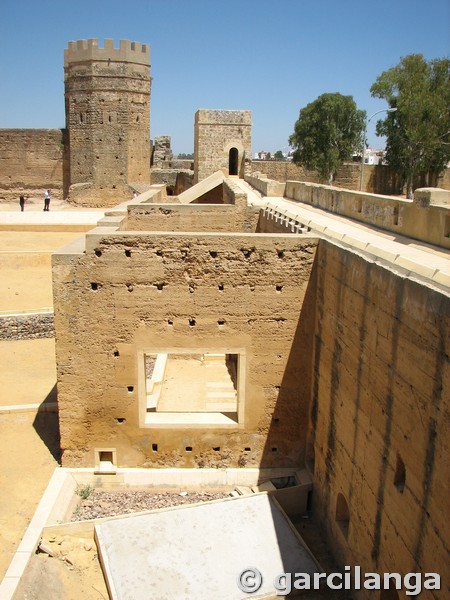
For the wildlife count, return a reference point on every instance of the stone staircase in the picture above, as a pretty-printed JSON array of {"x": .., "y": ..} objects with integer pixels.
[{"x": 221, "y": 395}]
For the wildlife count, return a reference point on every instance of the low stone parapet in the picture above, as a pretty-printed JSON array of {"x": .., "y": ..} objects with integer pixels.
[
  {"x": 427, "y": 218},
  {"x": 267, "y": 187},
  {"x": 27, "y": 326}
]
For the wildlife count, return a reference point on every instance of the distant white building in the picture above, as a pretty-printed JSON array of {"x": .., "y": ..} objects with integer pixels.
[
  {"x": 371, "y": 156},
  {"x": 263, "y": 155}
]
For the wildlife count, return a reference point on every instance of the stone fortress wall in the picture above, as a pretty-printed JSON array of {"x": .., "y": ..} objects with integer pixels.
[
  {"x": 379, "y": 415},
  {"x": 45, "y": 154},
  {"x": 378, "y": 179},
  {"x": 31, "y": 161}
]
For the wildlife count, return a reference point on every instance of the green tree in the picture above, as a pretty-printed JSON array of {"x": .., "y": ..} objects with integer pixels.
[
  {"x": 278, "y": 155},
  {"x": 327, "y": 133},
  {"x": 418, "y": 133}
]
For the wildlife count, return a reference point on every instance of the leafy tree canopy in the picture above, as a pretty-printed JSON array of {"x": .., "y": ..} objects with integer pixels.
[
  {"x": 327, "y": 133},
  {"x": 418, "y": 133},
  {"x": 278, "y": 155}
]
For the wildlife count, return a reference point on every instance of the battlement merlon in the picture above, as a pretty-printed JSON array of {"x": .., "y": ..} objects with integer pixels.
[{"x": 84, "y": 50}]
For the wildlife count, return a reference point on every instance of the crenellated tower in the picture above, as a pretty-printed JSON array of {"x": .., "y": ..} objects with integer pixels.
[{"x": 107, "y": 98}]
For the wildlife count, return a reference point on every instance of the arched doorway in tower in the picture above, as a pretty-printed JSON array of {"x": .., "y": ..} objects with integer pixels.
[{"x": 233, "y": 161}]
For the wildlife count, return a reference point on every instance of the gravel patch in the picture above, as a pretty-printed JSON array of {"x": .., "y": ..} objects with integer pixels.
[{"x": 112, "y": 503}]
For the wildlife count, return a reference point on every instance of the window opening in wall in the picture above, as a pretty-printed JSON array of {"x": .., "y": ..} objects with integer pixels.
[
  {"x": 105, "y": 460},
  {"x": 233, "y": 161},
  {"x": 342, "y": 514},
  {"x": 395, "y": 214},
  {"x": 400, "y": 475},
  {"x": 447, "y": 227},
  {"x": 186, "y": 387}
]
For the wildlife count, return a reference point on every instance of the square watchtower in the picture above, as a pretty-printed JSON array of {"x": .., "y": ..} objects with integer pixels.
[{"x": 222, "y": 142}]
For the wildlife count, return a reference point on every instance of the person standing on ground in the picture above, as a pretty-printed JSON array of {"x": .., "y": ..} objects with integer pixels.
[
  {"x": 22, "y": 202},
  {"x": 47, "y": 200}
]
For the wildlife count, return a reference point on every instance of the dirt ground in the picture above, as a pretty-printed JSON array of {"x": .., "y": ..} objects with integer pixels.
[
  {"x": 30, "y": 441},
  {"x": 29, "y": 451},
  {"x": 73, "y": 573},
  {"x": 25, "y": 268}
]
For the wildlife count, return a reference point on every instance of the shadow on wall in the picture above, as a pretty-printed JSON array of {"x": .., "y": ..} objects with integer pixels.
[
  {"x": 287, "y": 442},
  {"x": 46, "y": 425}
]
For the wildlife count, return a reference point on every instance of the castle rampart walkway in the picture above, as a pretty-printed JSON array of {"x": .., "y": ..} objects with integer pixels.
[{"x": 408, "y": 257}]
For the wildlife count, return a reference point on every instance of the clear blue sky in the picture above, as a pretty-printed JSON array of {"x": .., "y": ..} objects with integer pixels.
[{"x": 270, "y": 57}]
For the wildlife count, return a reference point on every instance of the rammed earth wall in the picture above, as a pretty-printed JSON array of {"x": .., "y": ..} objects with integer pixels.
[
  {"x": 380, "y": 416},
  {"x": 132, "y": 292},
  {"x": 378, "y": 179},
  {"x": 31, "y": 161}
]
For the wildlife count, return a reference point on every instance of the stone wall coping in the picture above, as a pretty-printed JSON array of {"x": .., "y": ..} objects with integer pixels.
[
  {"x": 420, "y": 220},
  {"x": 422, "y": 262}
]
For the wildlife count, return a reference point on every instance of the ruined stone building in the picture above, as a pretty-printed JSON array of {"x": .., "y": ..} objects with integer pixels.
[{"x": 247, "y": 323}]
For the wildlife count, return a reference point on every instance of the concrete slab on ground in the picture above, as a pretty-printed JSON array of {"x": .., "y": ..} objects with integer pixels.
[{"x": 200, "y": 551}]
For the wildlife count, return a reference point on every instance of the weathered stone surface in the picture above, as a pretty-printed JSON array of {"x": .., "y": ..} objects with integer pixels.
[
  {"x": 31, "y": 161},
  {"x": 107, "y": 93},
  {"x": 381, "y": 381},
  {"x": 217, "y": 134},
  {"x": 27, "y": 327},
  {"x": 156, "y": 291}
]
